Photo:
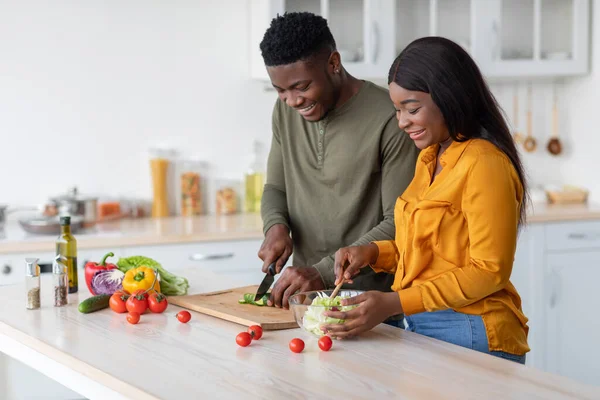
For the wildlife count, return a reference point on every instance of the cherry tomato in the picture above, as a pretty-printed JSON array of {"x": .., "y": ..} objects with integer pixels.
[
  {"x": 137, "y": 303},
  {"x": 296, "y": 345},
  {"x": 184, "y": 316},
  {"x": 255, "y": 331},
  {"x": 325, "y": 343},
  {"x": 243, "y": 339},
  {"x": 117, "y": 302},
  {"x": 157, "y": 303},
  {"x": 133, "y": 318}
]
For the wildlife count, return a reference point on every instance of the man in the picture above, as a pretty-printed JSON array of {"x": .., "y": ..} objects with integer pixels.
[{"x": 337, "y": 164}]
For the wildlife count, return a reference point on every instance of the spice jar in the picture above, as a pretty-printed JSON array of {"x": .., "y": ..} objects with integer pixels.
[
  {"x": 32, "y": 284},
  {"x": 60, "y": 279}
]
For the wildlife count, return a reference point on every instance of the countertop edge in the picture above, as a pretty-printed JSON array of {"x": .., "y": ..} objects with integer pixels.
[{"x": 70, "y": 362}]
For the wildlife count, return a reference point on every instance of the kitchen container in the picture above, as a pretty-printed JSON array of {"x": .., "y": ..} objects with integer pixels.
[
  {"x": 162, "y": 170},
  {"x": 310, "y": 316},
  {"x": 192, "y": 176},
  {"x": 566, "y": 195},
  {"x": 60, "y": 279},
  {"x": 32, "y": 284},
  {"x": 254, "y": 181},
  {"x": 227, "y": 197}
]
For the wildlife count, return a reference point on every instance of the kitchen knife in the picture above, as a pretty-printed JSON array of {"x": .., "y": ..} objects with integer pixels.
[{"x": 266, "y": 283}]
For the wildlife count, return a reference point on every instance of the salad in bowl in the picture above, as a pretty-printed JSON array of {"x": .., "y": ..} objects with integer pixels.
[{"x": 308, "y": 308}]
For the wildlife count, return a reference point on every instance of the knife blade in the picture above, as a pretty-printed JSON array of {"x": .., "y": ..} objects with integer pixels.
[{"x": 266, "y": 282}]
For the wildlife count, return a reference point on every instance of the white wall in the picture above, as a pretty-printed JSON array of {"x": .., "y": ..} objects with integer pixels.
[{"x": 86, "y": 88}]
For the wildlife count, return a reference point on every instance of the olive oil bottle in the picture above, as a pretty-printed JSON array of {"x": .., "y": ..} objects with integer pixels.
[{"x": 66, "y": 246}]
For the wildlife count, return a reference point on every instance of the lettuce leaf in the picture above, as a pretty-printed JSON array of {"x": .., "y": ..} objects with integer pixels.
[{"x": 313, "y": 317}]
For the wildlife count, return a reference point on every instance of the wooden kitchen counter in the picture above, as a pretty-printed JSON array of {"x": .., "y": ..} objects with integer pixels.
[{"x": 101, "y": 356}]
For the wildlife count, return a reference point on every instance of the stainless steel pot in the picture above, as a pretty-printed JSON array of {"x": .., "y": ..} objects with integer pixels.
[{"x": 74, "y": 204}]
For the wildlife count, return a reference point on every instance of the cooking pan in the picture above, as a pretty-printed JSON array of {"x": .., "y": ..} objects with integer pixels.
[{"x": 42, "y": 225}]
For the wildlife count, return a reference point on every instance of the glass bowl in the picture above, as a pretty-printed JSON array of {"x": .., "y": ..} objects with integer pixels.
[{"x": 310, "y": 316}]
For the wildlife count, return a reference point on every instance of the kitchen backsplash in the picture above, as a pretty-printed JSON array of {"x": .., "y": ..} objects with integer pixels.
[{"x": 83, "y": 109}]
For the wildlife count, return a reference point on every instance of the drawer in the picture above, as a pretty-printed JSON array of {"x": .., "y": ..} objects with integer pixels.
[
  {"x": 573, "y": 235},
  {"x": 220, "y": 257}
]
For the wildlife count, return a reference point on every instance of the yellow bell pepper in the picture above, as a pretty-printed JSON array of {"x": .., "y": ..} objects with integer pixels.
[{"x": 140, "y": 278}]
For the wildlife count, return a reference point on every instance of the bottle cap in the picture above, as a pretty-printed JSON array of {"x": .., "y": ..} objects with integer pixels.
[
  {"x": 66, "y": 220},
  {"x": 58, "y": 267},
  {"x": 32, "y": 268}
]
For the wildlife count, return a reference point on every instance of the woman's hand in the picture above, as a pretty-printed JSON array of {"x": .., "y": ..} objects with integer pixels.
[
  {"x": 374, "y": 307},
  {"x": 349, "y": 260}
]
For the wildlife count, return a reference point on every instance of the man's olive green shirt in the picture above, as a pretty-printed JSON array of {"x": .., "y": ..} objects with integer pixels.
[{"x": 334, "y": 183}]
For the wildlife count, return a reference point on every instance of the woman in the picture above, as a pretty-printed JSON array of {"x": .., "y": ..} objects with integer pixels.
[{"x": 457, "y": 222}]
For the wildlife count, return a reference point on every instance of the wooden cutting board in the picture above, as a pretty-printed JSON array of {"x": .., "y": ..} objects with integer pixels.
[{"x": 224, "y": 304}]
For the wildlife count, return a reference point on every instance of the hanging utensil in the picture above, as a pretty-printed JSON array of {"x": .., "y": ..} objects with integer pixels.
[
  {"x": 517, "y": 135},
  {"x": 554, "y": 145},
  {"x": 529, "y": 144}
]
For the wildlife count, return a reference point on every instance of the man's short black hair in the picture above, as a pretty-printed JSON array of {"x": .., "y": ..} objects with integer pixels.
[{"x": 295, "y": 36}]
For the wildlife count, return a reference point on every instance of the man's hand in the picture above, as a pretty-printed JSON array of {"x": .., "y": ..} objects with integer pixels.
[
  {"x": 277, "y": 247},
  {"x": 292, "y": 280},
  {"x": 373, "y": 308}
]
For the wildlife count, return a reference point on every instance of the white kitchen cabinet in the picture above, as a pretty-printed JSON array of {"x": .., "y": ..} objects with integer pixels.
[
  {"x": 527, "y": 267},
  {"x": 19, "y": 381},
  {"x": 507, "y": 38},
  {"x": 531, "y": 38},
  {"x": 238, "y": 257},
  {"x": 556, "y": 272},
  {"x": 572, "y": 325}
]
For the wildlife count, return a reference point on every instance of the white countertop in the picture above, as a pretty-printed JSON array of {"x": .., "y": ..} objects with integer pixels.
[
  {"x": 171, "y": 230},
  {"x": 101, "y": 356}
]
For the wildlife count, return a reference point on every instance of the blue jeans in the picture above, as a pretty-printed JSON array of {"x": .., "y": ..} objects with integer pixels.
[{"x": 453, "y": 327}]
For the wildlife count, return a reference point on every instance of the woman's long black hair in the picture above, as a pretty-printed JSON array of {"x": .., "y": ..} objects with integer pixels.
[{"x": 443, "y": 69}]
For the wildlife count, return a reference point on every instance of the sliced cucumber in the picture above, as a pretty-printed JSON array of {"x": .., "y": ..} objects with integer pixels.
[{"x": 249, "y": 299}]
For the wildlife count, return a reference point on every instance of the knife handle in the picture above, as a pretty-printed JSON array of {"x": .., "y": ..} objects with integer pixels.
[{"x": 271, "y": 270}]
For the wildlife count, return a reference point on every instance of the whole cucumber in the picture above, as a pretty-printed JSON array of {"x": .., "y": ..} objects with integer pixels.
[{"x": 94, "y": 303}]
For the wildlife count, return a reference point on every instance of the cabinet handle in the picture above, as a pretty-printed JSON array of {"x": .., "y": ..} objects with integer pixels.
[
  {"x": 375, "y": 40},
  {"x": 205, "y": 257},
  {"x": 7, "y": 269},
  {"x": 584, "y": 236},
  {"x": 495, "y": 41},
  {"x": 555, "y": 288}
]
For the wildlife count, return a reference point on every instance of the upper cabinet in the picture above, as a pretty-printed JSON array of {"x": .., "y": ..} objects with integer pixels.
[
  {"x": 532, "y": 38},
  {"x": 363, "y": 30},
  {"x": 507, "y": 38}
]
